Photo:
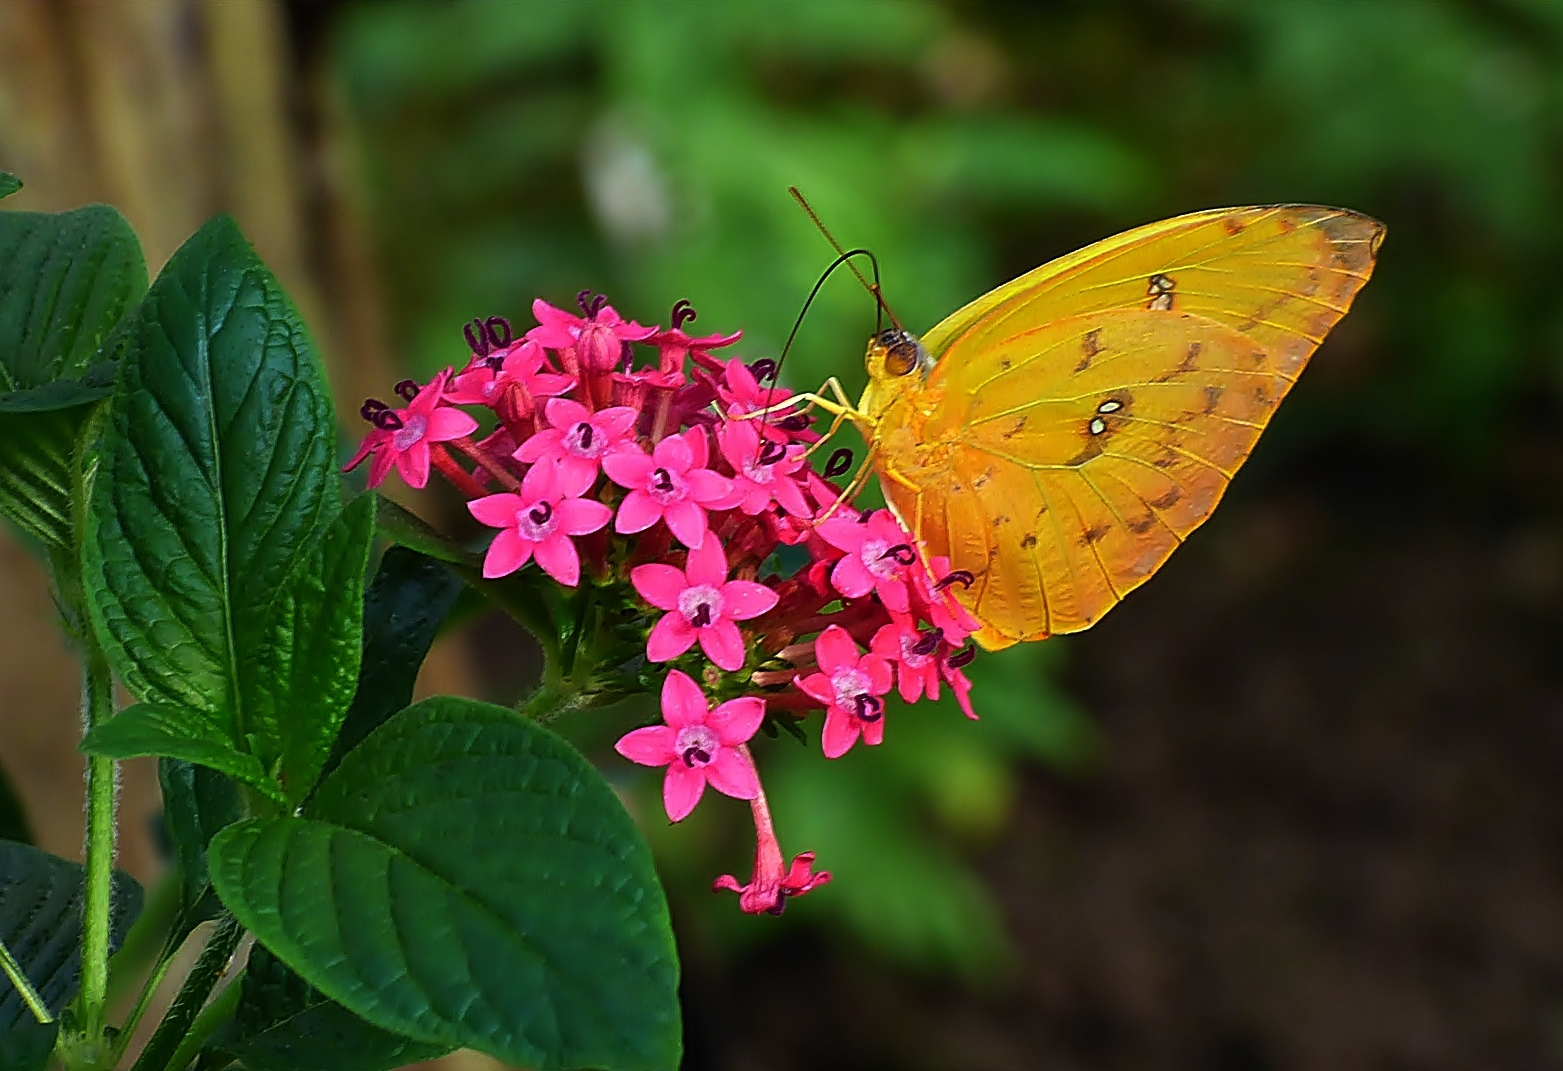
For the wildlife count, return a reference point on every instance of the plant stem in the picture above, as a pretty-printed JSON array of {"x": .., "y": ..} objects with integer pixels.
[
  {"x": 24, "y": 986},
  {"x": 219, "y": 1011},
  {"x": 171, "y": 1034},
  {"x": 98, "y": 703}
]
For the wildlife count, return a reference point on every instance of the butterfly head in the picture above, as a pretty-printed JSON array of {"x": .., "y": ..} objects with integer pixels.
[{"x": 894, "y": 354}]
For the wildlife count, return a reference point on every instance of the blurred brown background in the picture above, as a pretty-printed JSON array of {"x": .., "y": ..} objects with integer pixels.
[{"x": 1296, "y": 804}]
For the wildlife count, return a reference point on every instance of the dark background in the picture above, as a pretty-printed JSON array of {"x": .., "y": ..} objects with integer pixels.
[{"x": 1295, "y": 804}]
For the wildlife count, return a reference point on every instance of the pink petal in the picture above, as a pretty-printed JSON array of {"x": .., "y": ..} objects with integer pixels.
[
  {"x": 724, "y": 645},
  {"x": 544, "y": 385},
  {"x": 733, "y": 775},
  {"x": 380, "y": 466},
  {"x": 699, "y": 442},
  {"x": 496, "y": 511},
  {"x": 878, "y": 671},
  {"x": 617, "y": 422},
  {"x": 707, "y": 565},
  {"x": 874, "y": 732},
  {"x": 558, "y": 559},
  {"x": 578, "y": 516},
  {"x": 413, "y": 464},
  {"x": 843, "y": 532},
  {"x": 651, "y": 746},
  {"x": 743, "y": 599},
  {"x": 789, "y": 496},
  {"x": 541, "y": 481},
  {"x": 706, "y": 486},
  {"x": 576, "y": 475},
  {"x": 562, "y": 413},
  {"x": 892, "y": 592},
  {"x": 683, "y": 703},
  {"x": 851, "y": 577},
  {"x": 659, "y": 584},
  {"x": 506, "y": 554},
  {"x": 547, "y": 441},
  {"x": 673, "y": 453},
  {"x": 685, "y": 520},
  {"x": 638, "y": 512},
  {"x": 841, "y": 732},
  {"x": 835, "y": 650},
  {"x": 681, "y": 790},
  {"x": 670, "y": 637},
  {"x": 737, "y": 720},
  {"x": 817, "y": 686},
  {"x": 446, "y": 423},
  {"x": 628, "y": 467}
]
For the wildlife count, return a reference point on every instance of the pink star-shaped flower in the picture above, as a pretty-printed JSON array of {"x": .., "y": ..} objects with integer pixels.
[
  {"x": 936, "y": 603},
  {"x": 538, "y": 523},
  {"x": 701, "y": 604},
  {"x": 762, "y": 469},
  {"x": 698, "y": 745},
  {"x": 878, "y": 554},
  {"x": 915, "y": 655},
  {"x": 598, "y": 339},
  {"x": 522, "y": 363},
  {"x": 671, "y": 485},
  {"x": 402, "y": 436},
  {"x": 579, "y": 438},
  {"x": 849, "y": 685},
  {"x": 774, "y": 881},
  {"x": 675, "y": 346}
]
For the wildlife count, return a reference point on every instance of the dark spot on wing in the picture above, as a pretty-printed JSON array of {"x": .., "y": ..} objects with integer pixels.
[
  {"x": 1020, "y": 425},
  {"x": 1166, "y": 501},
  {"x": 1159, "y": 288},
  {"x": 1090, "y": 346},
  {"x": 1028, "y": 540},
  {"x": 1233, "y": 226},
  {"x": 1141, "y": 525},
  {"x": 1001, "y": 519},
  {"x": 1212, "y": 399},
  {"x": 1097, "y": 533},
  {"x": 1004, "y": 364},
  {"x": 1191, "y": 357}
]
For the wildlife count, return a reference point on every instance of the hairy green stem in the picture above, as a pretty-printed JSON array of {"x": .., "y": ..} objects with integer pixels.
[
  {"x": 172, "y": 1033},
  {"x": 98, "y": 707},
  {"x": 24, "y": 986}
]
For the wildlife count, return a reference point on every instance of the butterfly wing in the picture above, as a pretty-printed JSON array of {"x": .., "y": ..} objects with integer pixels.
[{"x": 1083, "y": 419}]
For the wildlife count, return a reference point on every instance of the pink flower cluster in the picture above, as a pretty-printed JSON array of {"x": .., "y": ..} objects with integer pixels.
[{"x": 676, "y": 481}]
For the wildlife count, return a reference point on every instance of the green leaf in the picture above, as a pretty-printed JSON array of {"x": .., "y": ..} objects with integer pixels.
[
  {"x": 465, "y": 877},
  {"x": 282, "y": 1023},
  {"x": 66, "y": 280},
  {"x": 298, "y": 686},
  {"x": 405, "y": 528},
  {"x": 217, "y": 477},
  {"x": 9, "y": 184},
  {"x": 197, "y": 802},
  {"x": 13, "y": 816},
  {"x": 40, "y": 922},
  {"x": 403, "y": 609},
  {"x": 176, "y": 732}
]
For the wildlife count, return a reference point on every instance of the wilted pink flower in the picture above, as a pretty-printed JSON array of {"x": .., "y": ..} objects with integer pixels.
[
  {"x": 671, "y": 485},
  {"x": 698, "y": 745},
  {"x": 773, "y": 879},
  {"x": 598, "y": 338},
  {"x": 762, "y": 469},
  {"x": 702, "y": 605},
  {"x": 879, "y": 552},
  {"x": 849, "y": 685},
  {"x": 402, "y": 436},
  {"x": 538, "y": 523},
  {"x": 578, "y": 438},
  {"x": 674, "y": 345}
]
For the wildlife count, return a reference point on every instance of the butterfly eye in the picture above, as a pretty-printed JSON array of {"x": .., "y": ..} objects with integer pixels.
[{"x": 901, "y": 358}]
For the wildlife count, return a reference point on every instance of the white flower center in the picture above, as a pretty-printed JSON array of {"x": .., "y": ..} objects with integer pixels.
[
  {"x": 665, "y": 486},
  {"x": 537, "y": 522},
  {"x": 701, "y": 605},
  {"x": 696, "y": 745},
  {"x": 410, "y": 432},
  {"x": 583, "y": 440}
]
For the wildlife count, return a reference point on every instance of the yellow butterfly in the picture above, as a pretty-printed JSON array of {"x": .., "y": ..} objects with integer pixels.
[{"x": 1059, "y": 437}]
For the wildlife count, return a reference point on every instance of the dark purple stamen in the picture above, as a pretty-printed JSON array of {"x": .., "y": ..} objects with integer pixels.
[
  {"x": 541, "y": 512},
  {"x": 407, "y": 389},
  {"x": 962, "y": 657},
  {"x": 662, "y": 480},
  {"x": 693, "y": 755},
  {"x": 840, "y": 461},
  {"x": 590, "y": 306},
  {"x": 682, "y": 313},
  {"x": 763, "y": 369},
  {"x": 386, "y": 420},
  {"x": 796, "y": 422},
  {"x": 477, "y": 341},
  {"x": 772, "y": 452},
  {"x": 490, "y": 328},
  {"x": 902, "y": 553},
  {"x": 702, "y": 618},
  {"x": 960, "y": 576},
  {"x": 626, "y": 355},
  {"x": 929, "y": 643},
  {"x": 583, "y": 435},
  {"x": 869, "y": 707},
  {"x": 371, "y": 408}
]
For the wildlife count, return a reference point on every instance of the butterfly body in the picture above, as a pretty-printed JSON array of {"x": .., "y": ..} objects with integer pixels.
[{"x": 1059, "y": 437}]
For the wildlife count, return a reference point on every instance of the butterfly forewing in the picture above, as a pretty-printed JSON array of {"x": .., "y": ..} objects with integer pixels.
[{"x": 1087, "y": 421}]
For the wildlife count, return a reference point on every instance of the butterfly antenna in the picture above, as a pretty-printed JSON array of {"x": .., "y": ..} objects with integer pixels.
[
  {"x": 844, "y": 258},
  {"x": 872, "y": 288}
]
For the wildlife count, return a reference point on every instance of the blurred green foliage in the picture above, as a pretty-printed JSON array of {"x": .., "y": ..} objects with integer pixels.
[{"x": 644, "y": 148}]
